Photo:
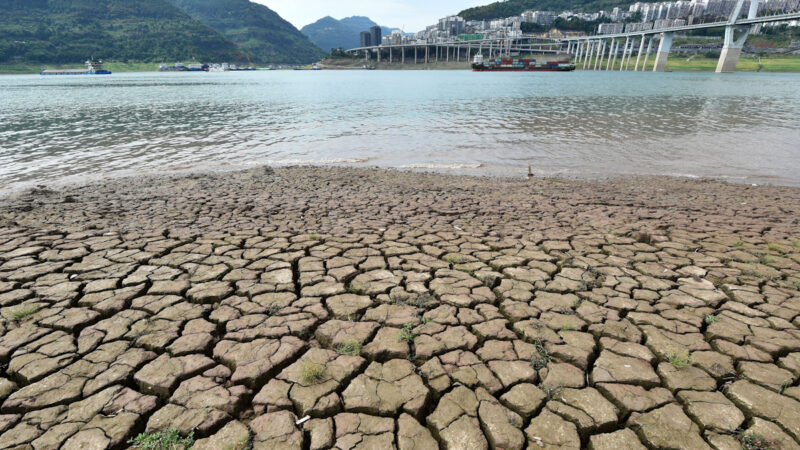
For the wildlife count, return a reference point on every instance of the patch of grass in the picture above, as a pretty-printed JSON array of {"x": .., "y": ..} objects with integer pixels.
[
  {"x": 753, "y": 441},
  {"x": 711, "y": 319},
  {"x": 775, "y": 248},
  {"x": 550, "y": 391},
  {"x": 453, "y": 259},
  {"x": 425, "y": 320},
  {"x": 314, "y": 236},
  {"x": 312, "y": 372},
  {"x": 766, "y": 260},
  {"x": 795, "y": 243},
  {"x": 350, "y": 347},
  {"x": 407, "y": 333},
  {"x": 23, "y": 312},
  {"x": 567, "y": 328},
  {"x": 542, "y": 357},
  {"x": 739, "y": 243},
  {"x": 423, "y": 300},
  {"x": 168, "y": 439},
  {"x": 357, "y": 288},
  {"x": 679, "y": 360},
  {"x": 797, "y": 284}
]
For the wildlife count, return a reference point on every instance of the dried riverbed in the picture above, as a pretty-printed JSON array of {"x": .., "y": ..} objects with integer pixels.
[{"x": 400, "y": 309}]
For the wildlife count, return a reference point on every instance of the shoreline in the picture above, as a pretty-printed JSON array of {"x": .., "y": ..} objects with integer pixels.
[
  {"x": 676, "y": 63},
  {"x": 515, "y": 174}
]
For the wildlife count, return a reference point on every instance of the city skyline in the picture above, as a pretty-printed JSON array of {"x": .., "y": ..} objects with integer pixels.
[{"x": 411, "y": 15}]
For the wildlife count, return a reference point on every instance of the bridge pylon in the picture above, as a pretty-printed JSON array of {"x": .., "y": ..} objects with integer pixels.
[
  {"x": 663, "y": 52},
  {"x": 732, "y": 47}
]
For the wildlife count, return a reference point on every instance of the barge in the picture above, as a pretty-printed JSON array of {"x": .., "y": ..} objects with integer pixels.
[
  {"x": 520, "y": 65},
  {"x": 92, "y": 68}
]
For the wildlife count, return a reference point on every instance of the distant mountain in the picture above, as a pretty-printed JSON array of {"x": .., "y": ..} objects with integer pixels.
[
  {"x": 329, "y": 33},
  {"x": 516, "y": 7},
  {"x": 71, "y": 31},
  {"x": 256, "y": 29}
]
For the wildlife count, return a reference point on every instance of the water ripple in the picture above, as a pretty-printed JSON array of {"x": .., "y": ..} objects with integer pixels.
[{"x": 739, "y": 127}]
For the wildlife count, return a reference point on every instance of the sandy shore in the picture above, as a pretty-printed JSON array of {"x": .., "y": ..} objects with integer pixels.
[{"x": 400, "y": 309}]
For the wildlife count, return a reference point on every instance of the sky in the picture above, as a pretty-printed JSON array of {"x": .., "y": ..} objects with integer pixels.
[{"x": 411, "y": 15}]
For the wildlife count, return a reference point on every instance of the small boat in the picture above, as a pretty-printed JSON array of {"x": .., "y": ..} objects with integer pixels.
[
  {"x": 520, "y": 65},
  {"x": 92, "y": 68}
]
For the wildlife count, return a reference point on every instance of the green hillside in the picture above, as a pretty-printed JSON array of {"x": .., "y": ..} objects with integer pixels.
[
  {"x": 70, "y": 31},
  {"x": 516, "y": 7},
  {"x": 329, "y": 33},
  {"x": 256, "y": 29}
]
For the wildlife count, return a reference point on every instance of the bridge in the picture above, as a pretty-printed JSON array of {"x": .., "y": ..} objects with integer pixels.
[
  {"x": 596, "y": 52},
  {"x": 590, "y": 51}
]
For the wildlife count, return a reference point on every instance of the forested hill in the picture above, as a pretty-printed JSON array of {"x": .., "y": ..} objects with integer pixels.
[
  {"x": 516, "y": 7},
  {"x": 71, "y": 31},
  {"x": 256, "y": 29},
  {"x": 329, "y": 33}
]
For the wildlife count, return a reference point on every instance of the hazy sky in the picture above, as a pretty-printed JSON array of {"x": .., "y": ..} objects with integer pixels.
[{"x": 413, "y": 15}]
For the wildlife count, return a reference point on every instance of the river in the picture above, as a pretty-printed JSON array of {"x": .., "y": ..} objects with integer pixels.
[{"x": 742, "y": 127}]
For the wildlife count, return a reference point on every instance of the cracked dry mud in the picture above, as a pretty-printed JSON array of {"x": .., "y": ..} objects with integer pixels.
[{"x": 400, "y": 310}]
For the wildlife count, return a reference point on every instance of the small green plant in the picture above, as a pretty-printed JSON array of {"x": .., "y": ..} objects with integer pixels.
[
  {"x": 795, "y": 243},
  {"x": 23, "y": 312},
  {"x": 312, "y": 372},
  {"x": 797, "y": 284},
  {"x": 425, "y": 320},
  {"x": 752, "y": 441},
  {"x": 567, "y": 328},
  {"x": 542, "y": 357},
  {"x": 766, "y": 260},
  {"x": 357, "y": 288},
  {"x": 739, "y": 243},
  {"x": 453, "y": 259},
  {"x": 423, "y": 300},
  {"x": 679, "y": 360},
  {"x": 314, "y": 236},
  {"x": 550, "y": 391},
  {"x": 710, "y": 318},
  {"x": 168, "y": 439},
  {"x": 407, "y": 333},
  {"x": 350, "y": 347},
  {"x": 775, "y": 248}
]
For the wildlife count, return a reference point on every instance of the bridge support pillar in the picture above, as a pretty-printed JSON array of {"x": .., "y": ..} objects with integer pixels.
[
  {"x": 639, "y": 55},
  {"x": 732, "y": 49},
  {"x": 663, "y": 52},
  {"x": 624, "y": 53},
  {"x": 615, "y": 52},
  {"x": 647, "y": 54}
]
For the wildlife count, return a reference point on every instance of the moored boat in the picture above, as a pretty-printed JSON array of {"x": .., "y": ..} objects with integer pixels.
[
  {"x": 520, "y": 65},
  {"x": 92, "y": 68}
]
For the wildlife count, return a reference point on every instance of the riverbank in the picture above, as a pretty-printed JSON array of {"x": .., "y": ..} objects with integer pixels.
[
  {"x": 747, "y": 63},
  {"x": 415, "y": 309},
  {"x": 23, "y": 69},
  {"x": 688, "y": 63}
]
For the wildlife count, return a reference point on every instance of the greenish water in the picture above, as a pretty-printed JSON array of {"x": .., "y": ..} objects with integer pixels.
[{"x": 741, "y": 127}]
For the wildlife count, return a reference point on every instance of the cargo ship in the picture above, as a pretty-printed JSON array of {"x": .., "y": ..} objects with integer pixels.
[
  {"x": 520, "y": 65},
  {"x": 92, "y": 68}
]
